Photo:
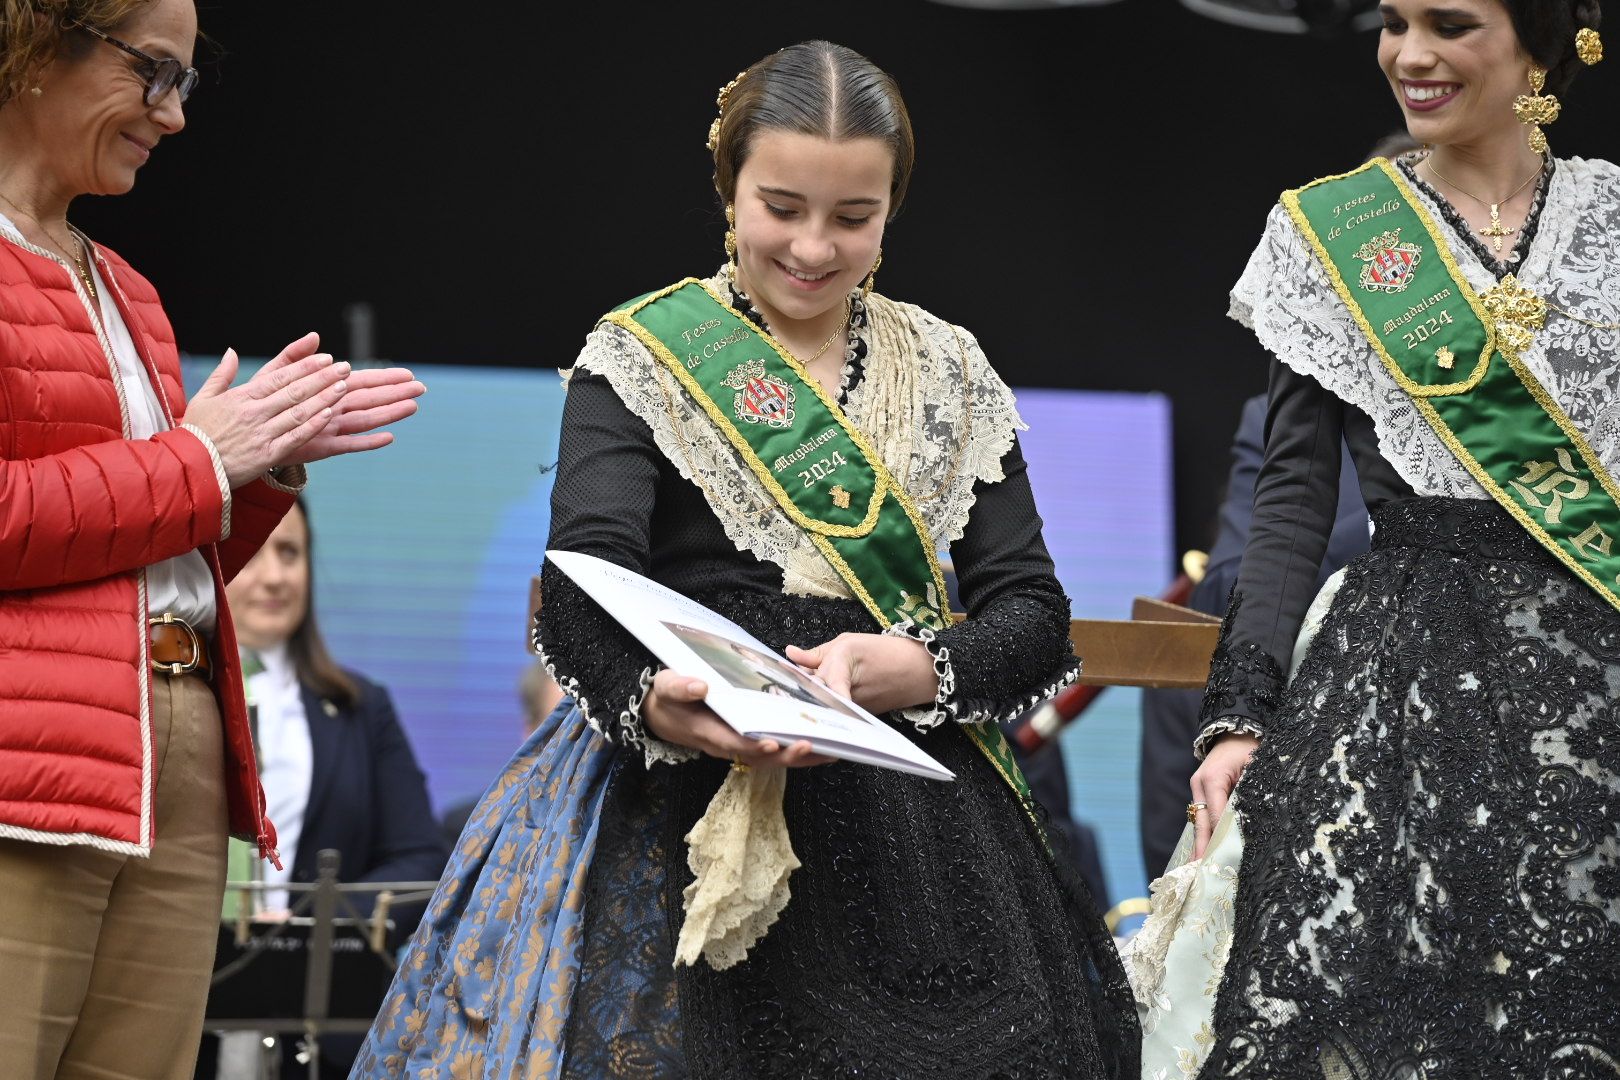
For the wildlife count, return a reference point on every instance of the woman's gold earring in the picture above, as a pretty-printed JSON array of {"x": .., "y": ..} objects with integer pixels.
[
  {"x": 871, "y": 276},
  {"x": 1535, "y": 108},
  {"x": 731, "y": 239}
]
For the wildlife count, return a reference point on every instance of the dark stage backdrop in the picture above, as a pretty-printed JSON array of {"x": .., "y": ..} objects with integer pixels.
[{"x": 1090, "y": 181}]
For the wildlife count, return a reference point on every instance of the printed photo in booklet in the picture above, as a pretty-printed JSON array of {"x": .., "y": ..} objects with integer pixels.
[{"x": 755, "y": 689}]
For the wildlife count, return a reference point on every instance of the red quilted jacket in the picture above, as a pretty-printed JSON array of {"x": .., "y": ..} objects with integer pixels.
[{"x": 83, "y": 511}]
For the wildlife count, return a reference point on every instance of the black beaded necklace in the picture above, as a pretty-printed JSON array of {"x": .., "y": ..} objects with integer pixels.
[{"x": 854, "y": 354}]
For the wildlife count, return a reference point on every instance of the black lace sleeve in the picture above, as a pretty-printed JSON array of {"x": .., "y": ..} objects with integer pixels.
[
  {"x": 1013, "y": 651},
  {"x": 601, "y": 504},
  {"x": 1295, "y": 505}
]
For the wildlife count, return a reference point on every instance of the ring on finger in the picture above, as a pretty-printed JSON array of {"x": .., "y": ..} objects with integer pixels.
[
  {"x": 737, "y": 765},
  {"x": 1193, "y": 810}
]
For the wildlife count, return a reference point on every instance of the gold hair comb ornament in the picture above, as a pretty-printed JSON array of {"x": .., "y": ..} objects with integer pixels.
[
  {"x": 720, "y": 102},
  {"x": 1588, "y": 46},
  {"x": 1535, "y": 108}
]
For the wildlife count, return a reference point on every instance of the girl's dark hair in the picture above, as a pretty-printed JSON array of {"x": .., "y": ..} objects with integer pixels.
[
  {"x": 1547, "y": 29},
  {"x": 307, "y": 649},
  {"x": 814, "y": 88}
]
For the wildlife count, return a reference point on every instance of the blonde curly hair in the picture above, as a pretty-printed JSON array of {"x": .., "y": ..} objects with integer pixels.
[{"x": 33, "y": 32}]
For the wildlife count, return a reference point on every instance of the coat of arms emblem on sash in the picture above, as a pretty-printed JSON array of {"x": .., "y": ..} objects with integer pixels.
[
  {"x": 1388, "y": 264},
  {"x": 760, "y": 398}
]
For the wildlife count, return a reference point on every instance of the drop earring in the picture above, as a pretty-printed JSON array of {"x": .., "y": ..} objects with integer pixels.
[
  {"x": 731, "y": 239},
  {"x": 1535, "y": 108},
  {"x": 871, "y": 275}
]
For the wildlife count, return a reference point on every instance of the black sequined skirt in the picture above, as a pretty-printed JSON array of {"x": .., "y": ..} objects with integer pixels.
[
  {"x": 1430, "y": 885},
  {"x": 929, "y": 935}
]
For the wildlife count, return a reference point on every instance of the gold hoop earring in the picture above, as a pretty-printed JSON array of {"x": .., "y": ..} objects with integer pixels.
[
  {"x": 731, "y": 239},
  {"x": 1535, "y": 108},
  {"x": 871, "y": 275}
]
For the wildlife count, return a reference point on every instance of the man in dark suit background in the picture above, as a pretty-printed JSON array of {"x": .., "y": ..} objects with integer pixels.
[{"x": 1170, "y": 717}]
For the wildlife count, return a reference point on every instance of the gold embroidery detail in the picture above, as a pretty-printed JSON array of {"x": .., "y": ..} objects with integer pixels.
[
  {"x": 840, "y": 497},
  {"x": 1421, "y": 394},
  {"x": 818, "y": 531},
  {"x": 1445, "y": 358},
  {"x": 1290, "y": 201}
]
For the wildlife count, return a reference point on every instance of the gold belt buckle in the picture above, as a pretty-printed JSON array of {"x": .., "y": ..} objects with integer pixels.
[{"x": 175, "y": 667}]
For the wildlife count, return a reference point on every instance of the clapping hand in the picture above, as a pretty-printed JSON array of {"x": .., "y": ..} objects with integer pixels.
[{"x": 302, "y": 406}]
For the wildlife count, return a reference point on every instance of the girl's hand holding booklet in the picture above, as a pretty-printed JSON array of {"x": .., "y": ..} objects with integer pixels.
[{"x": 755, "y": 689}]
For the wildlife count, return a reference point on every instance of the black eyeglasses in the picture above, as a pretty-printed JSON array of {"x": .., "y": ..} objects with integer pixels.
[{"x": 160, "y": 76}]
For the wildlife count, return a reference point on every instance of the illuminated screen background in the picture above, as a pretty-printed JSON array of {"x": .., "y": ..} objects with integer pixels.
[{"x": 424, "y": 551}]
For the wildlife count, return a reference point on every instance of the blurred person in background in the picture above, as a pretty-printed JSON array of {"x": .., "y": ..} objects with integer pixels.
[
  {"x": 337, "y": 767},
  {"x": 538, "y": 693},
  {"x": 125, "y": 756}
]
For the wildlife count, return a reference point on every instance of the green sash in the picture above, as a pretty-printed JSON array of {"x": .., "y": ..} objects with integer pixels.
[
  {"x": 816, "y": 465},
  {"x": 1457, "y": 355}
]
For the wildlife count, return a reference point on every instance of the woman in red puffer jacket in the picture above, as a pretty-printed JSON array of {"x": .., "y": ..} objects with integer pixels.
[{"x": 125, "y": 755}]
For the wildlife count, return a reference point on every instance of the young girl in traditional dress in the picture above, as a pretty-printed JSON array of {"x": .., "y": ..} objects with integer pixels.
[{"x": 884, "y": 925}]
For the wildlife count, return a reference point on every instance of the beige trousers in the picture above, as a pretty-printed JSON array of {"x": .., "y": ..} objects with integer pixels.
[{"x": 105, "y": 959}]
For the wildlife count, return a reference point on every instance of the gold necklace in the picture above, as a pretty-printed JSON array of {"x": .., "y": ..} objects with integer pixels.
[
  {"x": 81, "y": 260},
  {"x": 1495, "y": 230},
  {"x": 848, "y": 311},
  {"x": 76, "y": 249}
]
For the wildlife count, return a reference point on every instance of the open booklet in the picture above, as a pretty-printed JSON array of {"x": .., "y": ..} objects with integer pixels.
[{"x": 756, "y": 690}]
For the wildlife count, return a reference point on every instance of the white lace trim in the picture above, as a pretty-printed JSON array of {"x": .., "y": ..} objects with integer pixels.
[
  {"x": 946, "y": 705},
  {"x": 632, "y": 730},
  {"x": 1232, "y": 725},
  {"x": 1285, "y": 297},
  {"x": 938, "y": 415},
  {"x": 923, "y": 717}
]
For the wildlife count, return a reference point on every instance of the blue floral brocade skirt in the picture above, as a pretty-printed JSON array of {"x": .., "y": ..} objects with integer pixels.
[{"x": 487, "y": 982}]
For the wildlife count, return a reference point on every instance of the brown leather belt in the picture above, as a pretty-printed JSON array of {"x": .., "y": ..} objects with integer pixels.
[{"x": 177, "y": 647}]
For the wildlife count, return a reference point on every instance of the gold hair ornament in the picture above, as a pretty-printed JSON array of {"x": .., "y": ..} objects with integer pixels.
[
  {"x": 1535, "y": 108},
  {"x": 1588, "y": 46},
  {"x": 871, "y": 275},
  {"x": 720, "y": 100}
]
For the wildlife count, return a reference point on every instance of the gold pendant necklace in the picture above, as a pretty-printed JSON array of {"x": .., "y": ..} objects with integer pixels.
[
  {"x": 82, "y": 262},
  {"x": 1495, "y": 231},
  {"x": 848, "y": 310},
  {"x": 77, "y": 250}
]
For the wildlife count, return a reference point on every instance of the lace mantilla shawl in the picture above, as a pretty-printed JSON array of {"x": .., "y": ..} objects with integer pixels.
[
  {"x": 1285, "y": 297},
  {"x": 932, "y": 406}
]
